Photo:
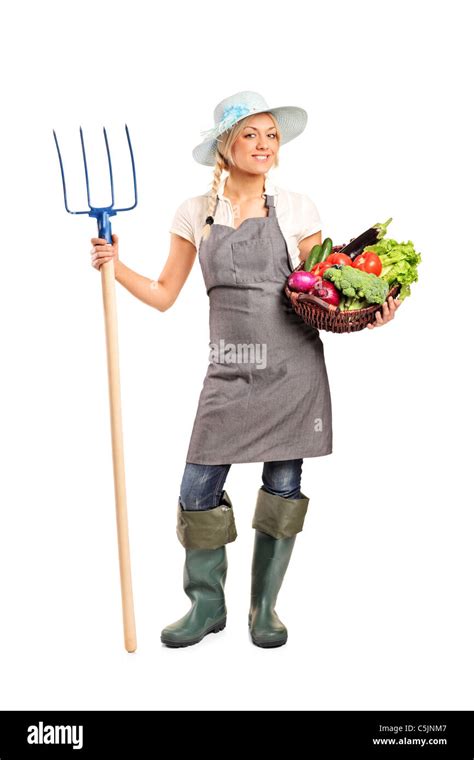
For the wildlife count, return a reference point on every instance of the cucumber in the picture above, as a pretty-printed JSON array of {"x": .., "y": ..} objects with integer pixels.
[
  {"x": 326, "y": 249},
  {"x": 312, "y": 258}
]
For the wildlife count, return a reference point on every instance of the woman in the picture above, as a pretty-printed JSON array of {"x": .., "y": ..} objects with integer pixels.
[{"x": 265, "y": 397}]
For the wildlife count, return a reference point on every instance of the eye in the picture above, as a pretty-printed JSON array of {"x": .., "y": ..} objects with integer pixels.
[{"x": 251, "y": 134}]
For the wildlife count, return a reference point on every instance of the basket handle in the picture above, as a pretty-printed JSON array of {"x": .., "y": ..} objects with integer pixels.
[{"x": 308, "y": 298}]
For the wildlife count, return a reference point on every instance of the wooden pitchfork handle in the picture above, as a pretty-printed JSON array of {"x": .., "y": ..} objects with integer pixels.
[{"x": 107, "y": 271}]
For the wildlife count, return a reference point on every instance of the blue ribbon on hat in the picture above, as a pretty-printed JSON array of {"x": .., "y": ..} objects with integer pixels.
[{"x": 231, "y": 114}]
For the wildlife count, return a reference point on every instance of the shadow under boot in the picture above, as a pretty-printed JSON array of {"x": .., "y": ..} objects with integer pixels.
[
  {"x": 203, "y": 533},
  {"x": 277, "y": 520}
]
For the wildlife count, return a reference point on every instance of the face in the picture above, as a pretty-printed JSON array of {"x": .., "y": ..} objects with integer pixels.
[{"x": 259, "y": 137}]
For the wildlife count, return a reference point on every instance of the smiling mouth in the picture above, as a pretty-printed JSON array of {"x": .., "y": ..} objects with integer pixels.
[{"x": 260, "y": 157}]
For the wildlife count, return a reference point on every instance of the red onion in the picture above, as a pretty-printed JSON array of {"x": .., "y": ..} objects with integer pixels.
[
  {"x": 327, "y": 291},
  {"x": 302, "y": 281}
]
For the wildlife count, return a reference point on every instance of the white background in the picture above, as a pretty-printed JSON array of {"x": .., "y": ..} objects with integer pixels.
[{"x": 378, "y": 595}]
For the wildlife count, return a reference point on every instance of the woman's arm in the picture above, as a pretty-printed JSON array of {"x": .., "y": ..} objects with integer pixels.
[
  {"x": 307, "y": 244},
  {"x": 163, "y": 292},
  {"x": 160, "y": 293}
]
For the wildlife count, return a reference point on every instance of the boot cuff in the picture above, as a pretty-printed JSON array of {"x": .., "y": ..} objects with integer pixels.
[
  {"x": 207, "y": 528},
  {"x": 277, "y": 516}
]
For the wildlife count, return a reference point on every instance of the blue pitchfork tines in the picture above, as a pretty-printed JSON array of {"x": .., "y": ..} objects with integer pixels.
[{"x": 101, "y": 213}]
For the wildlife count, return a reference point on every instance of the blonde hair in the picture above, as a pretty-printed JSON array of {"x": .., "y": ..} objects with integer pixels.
[{"x": 224, "y": 160}]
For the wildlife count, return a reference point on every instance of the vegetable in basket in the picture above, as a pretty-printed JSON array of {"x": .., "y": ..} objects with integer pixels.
[
  {"x": 355, "y": 283},
  {"x": 399, "y": 263},
  {"x": 339, "y": 258},
  {"x": 318, "y": 254},
  {"x": 307, "y": 282},
  {"x": 368, "y": 238},
  {"x": 325, "y": 249},
  {"x": 312, "y": 258},
  {"x": 320, "y": 268},
  {"x": 368, "y": 261},
  {"x": 326, "y": 291},
  {"x": 301, "y": 281}
]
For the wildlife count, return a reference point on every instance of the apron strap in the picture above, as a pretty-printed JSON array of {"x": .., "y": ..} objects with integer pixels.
[{"x": 269, "y": 203}]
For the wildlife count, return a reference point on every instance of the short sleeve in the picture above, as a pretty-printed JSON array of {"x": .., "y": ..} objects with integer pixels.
[
  {"x": 182, "y": 222},
  {"x": 309, "y": 221}
]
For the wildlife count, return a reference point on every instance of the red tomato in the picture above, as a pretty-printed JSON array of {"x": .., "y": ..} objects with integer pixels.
[
  {"x": 339, "y": 258},
  {"x": 320, "y": 268},
  {"x": 368, "y": 262}
]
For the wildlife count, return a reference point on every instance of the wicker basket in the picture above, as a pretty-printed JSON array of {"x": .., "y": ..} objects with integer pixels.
[{"x": 323, "y": 316}]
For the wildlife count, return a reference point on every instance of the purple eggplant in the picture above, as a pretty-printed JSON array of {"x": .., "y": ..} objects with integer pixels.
[{"x": 369, "y": 237}]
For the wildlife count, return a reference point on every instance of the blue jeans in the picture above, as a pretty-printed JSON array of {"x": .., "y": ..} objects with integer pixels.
[{"x": 202, "y": 485}]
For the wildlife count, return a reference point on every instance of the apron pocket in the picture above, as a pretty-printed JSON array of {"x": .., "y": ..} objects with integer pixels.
[{"x": 253, "y": 260}]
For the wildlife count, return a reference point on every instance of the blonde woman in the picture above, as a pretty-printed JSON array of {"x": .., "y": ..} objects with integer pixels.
[{"x": 265, "y": 396}]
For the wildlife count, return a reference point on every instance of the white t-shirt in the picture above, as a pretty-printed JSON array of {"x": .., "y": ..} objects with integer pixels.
[{"x": 297, "y": 216}]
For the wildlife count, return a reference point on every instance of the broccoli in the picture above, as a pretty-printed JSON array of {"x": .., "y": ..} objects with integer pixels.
[{"x": 355, "y": 283}]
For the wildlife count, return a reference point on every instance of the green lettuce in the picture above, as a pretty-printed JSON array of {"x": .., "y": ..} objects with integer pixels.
[{"x": 399, "y": 262}]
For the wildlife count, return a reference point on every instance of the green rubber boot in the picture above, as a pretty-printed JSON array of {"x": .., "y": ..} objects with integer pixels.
[
  {"x": 277, "y": 520},
  {"x": 204, "y": 534}
]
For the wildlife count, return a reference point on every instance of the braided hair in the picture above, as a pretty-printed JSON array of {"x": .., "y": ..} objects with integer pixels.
[{"x": 219, "y": 166}]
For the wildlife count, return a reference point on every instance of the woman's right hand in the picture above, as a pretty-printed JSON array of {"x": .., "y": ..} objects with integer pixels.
[{"x": 103, "y": 251}]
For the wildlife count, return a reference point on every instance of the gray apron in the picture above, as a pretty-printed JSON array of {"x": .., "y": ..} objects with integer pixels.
[{"x": 265, "y": 396}]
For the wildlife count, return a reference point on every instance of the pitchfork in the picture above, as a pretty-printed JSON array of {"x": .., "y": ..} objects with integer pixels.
[{"x": 102, "y": 215}]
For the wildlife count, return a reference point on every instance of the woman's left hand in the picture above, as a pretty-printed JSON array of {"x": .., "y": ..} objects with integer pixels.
[{"x": 389, "y": 310}]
